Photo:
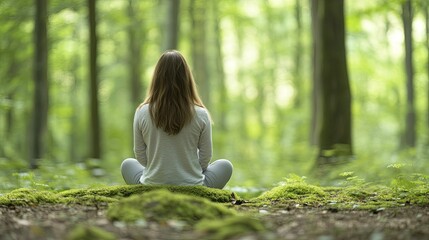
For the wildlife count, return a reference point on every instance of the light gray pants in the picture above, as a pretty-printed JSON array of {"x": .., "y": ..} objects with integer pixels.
[{"x": 217, "y": 174}]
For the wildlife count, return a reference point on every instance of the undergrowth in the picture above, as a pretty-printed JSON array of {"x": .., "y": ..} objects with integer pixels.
[
  {"x": 353, "y": 193},
  {"x": 214, "y": 213}
]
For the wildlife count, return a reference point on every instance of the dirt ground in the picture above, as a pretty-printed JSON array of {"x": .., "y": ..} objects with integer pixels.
[{"x": 283, "y": 222}]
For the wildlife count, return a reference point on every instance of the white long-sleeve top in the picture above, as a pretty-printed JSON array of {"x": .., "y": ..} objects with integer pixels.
[{"x": 173, "y": 159}]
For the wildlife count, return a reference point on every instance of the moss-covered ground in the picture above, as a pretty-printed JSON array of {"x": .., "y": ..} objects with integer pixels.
[{"x": 291, "y": 210}]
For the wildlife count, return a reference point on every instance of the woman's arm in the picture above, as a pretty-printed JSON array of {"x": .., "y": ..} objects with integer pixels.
[
  {"x": 139, "y": 144},
  {"x": 205, "y": 142}
]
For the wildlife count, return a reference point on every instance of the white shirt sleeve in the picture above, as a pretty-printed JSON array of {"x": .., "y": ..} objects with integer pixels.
[
  {"x": 139, "y": 144},
  {"x": 205, "y": 142}
]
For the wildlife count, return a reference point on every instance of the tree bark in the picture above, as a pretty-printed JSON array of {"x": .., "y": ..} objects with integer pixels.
[
  {"x": 407, "y": 19},
  {"x": 171, "y": 40},
  {"x": 197, "y": 12},
  {"x": 298, "y": 55},
  {"x": 135, "y": 56},
  {"x": 95, "y": 126},
  {"x": 335, "y": 135},
  {"x": 315, "y": 65},
  {"x": 223, "y": 91},
  {"x": 426, "y": 10},
  {"x": 41, "y": 94},
  {"x": 241, "y": 107}
]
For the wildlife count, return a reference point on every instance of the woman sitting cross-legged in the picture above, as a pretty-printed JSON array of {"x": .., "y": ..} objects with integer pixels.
[{"x": 173, "y": 133}]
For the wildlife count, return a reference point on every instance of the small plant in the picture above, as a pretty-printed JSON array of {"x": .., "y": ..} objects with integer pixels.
[
  {"x": 30, "y": 180},
  {"x": 352, "y": 181},
  {"x": 294, "y": 188}
]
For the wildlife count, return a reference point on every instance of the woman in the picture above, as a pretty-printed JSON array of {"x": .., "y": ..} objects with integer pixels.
[{"x": 172, "y": 132}]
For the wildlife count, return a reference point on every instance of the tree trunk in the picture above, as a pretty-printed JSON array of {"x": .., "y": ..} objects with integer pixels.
[
  {"x": 135, "y": 56},
  {"x": 13, "y": 69},
  {"x": 197, "y": 12},
  {"x": 426, "y": 10},
  {"x": 41, "y": 94},
  {"x": 223, "y": 92},
  {"x": 298, "y": 55},
  {"x": 74, "y": 131},
  {"x": 335, "y": 135},
  {"x": 74, "y": 101},
  {"x": 407, "y": 19},
  {"x": 241, "y": 107},
  {"x": 171, "y": 39},
  {"x": 315, "y": 63},
  {"x": 95, "y": 126}
]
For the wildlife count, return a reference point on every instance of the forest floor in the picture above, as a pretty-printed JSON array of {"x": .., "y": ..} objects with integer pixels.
[
  {"x": 295, "y": 210},
  {"x": 56, "y": 221}
]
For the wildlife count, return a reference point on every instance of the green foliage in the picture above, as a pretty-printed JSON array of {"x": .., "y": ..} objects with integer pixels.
[
  {"x": 414, "y": 187},
  {"x": 162, "y": 205},
  {"x": 257, "y": 125},
  {"x": 49, "y": 176},
  {"x": 293, "y": 188},
  {"x": 85, "y": 232},
  {"x": 354, "y": 192}
]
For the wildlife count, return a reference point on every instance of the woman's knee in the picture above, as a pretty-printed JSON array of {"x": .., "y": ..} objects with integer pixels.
[
  {"x": 225, "y": 164},
  {"x": 131, "y": 170},
  {"x": 128, "y": 164}
]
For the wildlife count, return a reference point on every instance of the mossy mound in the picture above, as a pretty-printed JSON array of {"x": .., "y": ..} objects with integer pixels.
[
  {"x": 117, "y": 192},
  {"x": 82, "y": 232},
  {"x": 24, "y": 196},
  {"x": 108, "y": 194},
  {"x": 162, "y": 205},
  {"x": 292, "y": 191},
  {"x": 230, "y": 227}
]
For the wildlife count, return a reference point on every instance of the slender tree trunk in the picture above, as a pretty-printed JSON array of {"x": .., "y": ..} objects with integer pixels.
[
  {"x": 135, "y": 56},
  {"x": 6, "y": 129},
  {"x": 316, "y": 91},
  {"x": 197, "y": 12},
  {"x": 171, "y": 40},
  {"x": 335, "y": 135},
  {"x": 95, "y": 126},
  {"x": 298, "y": 55},
  {"x": 407, "y": 19},
  {"x": 426, "y": 10},
  {"x": 74, "y": 100},
  {"x": 223, "y": 92},
  {"x": 10, "y": 96},
  {"x": 241, "y": 109},
  {"x": 74, "y": 136},
  {"x": 41, "y": 94}
]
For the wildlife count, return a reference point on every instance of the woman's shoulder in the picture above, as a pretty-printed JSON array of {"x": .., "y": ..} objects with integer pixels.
[
  {"x": 142, "y": 109},
  {"x": 200, "y": 110},
  {"x": 202, "y": 113}
]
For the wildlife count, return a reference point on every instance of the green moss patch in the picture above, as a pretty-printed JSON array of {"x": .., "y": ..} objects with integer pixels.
[
  {"x": 363, "y": 196},
  {"x": 83, "y": 232},
  {"x": 162, "y": 205},
  {"x": 294, "y": 191},
  {"x": 117, "y": 192},
  {"x": 25, "y": 196},
  {"x": 108, "y": 194},
  {"x": 230, "y": 227}
]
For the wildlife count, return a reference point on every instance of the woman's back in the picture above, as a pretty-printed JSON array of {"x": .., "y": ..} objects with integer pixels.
[{"x": 176, "y": 159}]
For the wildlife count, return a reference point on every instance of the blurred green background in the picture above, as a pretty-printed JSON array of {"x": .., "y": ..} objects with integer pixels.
[{"x": 252, "y": 61}]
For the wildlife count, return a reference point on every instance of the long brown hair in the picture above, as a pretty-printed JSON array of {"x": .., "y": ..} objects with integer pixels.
[{"x": 172, "y": 94}]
